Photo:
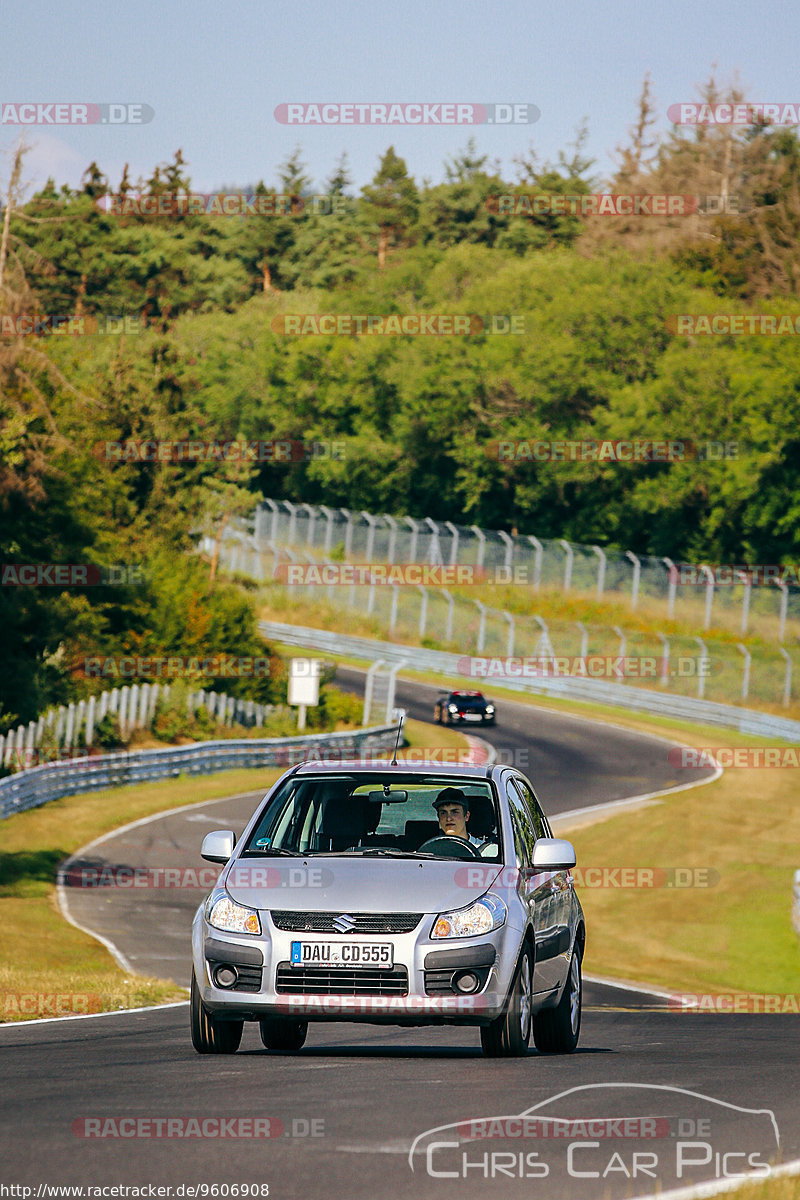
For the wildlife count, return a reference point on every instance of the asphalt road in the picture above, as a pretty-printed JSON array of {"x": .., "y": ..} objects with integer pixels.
[{"x": 347, "y": 1111}]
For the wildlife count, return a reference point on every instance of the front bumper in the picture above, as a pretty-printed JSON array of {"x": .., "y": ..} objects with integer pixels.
[{"x": 418, "y": 990}]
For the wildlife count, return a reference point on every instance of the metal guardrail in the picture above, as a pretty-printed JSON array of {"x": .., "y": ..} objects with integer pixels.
[
  {"x": 52, "y": 781},
  {"x": 727, "y": 716}
]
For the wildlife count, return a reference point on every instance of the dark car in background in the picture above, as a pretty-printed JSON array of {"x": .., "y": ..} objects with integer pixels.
[{"x": 456, "y": 708}]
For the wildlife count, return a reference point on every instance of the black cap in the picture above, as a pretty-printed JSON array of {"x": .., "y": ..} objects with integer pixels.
[{"x": 451, "y": 795}]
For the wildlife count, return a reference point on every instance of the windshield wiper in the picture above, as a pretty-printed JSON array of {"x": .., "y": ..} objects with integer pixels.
[{"x": 273, "y": 852}]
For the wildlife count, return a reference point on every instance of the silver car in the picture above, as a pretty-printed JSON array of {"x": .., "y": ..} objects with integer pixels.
[{"x": 345, "y": 900}]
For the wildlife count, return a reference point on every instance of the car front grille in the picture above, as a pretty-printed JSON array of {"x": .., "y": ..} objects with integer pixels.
[
  {"x": 322, "y": 981},
  {"x": 322, "y": 922}
]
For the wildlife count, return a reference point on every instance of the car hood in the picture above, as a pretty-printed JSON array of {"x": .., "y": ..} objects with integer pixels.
[{"x": 366, "y": 885}]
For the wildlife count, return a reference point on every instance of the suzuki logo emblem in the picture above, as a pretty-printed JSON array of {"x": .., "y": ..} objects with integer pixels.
[{"x": 344, "y": 923}]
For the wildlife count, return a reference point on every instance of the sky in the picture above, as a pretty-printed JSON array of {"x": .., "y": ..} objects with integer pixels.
[{"x": 213, "y": 74}]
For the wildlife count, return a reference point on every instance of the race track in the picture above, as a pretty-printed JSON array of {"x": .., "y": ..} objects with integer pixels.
[{"x": 349, "y": 1109}]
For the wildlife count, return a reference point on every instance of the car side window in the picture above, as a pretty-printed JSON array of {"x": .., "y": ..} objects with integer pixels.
[
  {"x": 534, "y": 810},
  {"x": 521, "y": 820}
]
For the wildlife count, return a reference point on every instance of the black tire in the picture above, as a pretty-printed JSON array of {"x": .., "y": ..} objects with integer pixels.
[
  {"x": 209, "y": 1035},
  {"x": 282, "y": 1033},
  {"x": 509, "y": 1035},
  {"x": 556, "y": 1030}
]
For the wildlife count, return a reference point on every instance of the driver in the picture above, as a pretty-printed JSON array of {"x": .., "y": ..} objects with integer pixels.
[{"x": 452, "y": 809}]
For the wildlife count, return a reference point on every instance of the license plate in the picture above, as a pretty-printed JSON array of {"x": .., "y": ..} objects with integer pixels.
[
  {"x": 342, "y": 954},
  {"x": 473, "y": 716}
]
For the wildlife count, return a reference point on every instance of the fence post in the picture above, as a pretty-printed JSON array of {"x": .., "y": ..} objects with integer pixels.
[
  {"x": 622, "y": 641},
  {"x": 584, "y": 640},
  {"x": 412, "y": 552},
  {"x": 537, "y": 561},
  {"x": 328, "y": 514},
  {"x": 787, "y": 679},
  {"x": 423, "y": 610},
  {"x": 510, "y": 642},
  {"x": 746, "y": 671},
  {"x": 482, "y": 626},
  {"x": 393, "y": 611},
  {"x": 664, "y": 679},
  {"x": 601, "y": 571},
  {"x": 348, "y": 533},
  {"x": 565, "y": 546},
  {"x": 701, "y": 675},
  {"x": 454, "y": 543},
  {"x": 481, "y": 536},
  {"x": 747, "y": 580},
  {"x": 392, "y": 687},
  {"x": 312, "y": 516},
  {"x": 448, "y": 629},
  {"x": 637, "y": 570},
  {"x": 392, "y": 550},
  {"x": 90, "y": 715},
  {"x": 435, "y": 553},
  {"x": 784, "y": 602},
  {"x": 372, "y": 522},
  {"x": 369, "y": 687},
  {"x": 509, "y": 544},
  {"x": 673, "y": 580},
  {"x": 273, "y": 507},
  {"x": 709, "y": 574},
  {"x": 292, "y": 534}
]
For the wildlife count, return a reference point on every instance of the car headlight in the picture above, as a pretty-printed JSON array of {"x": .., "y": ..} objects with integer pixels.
[
  {"x": 489, "y": 709},
  {"x": 452, "y": 707},
  {"x": 483, "y": 916},
  {"x": 224, "y": 913}
]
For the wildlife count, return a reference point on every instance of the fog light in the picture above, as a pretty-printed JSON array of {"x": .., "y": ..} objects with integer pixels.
[
  {"x": 225, "y": 976},
  {"x": 466, "y": 981}
]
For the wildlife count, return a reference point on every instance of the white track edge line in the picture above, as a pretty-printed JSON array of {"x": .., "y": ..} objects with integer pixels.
[{"x": 716, "y": 1187}]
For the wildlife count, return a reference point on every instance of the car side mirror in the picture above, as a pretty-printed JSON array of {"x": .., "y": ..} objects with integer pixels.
[
  {"x": 218, "y": 846},
  {"x": 553, "y": 854}
]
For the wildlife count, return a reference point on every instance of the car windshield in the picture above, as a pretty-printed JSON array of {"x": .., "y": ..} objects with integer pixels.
[{"x": 380, "y": 815}]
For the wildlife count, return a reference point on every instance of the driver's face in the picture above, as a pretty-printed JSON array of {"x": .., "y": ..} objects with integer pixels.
[{"x": 453, "y": 820}]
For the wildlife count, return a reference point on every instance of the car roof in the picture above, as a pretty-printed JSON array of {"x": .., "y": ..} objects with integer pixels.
[{"x": 370, "y": 766}]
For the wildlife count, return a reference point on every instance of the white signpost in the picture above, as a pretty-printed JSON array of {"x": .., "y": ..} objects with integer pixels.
[{"x": 304, "y": 685}]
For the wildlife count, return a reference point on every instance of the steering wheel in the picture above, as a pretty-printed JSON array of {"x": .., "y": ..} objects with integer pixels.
[{"x": 448, "y": 847}]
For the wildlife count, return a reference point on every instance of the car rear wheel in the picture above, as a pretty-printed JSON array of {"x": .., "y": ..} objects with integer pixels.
[
  {"x": 279, "y": 1033},
  {"x": 556, "y": 1030},
  {"x": 508, "y": 1035},
  {"x": 210, "y": 1035}
]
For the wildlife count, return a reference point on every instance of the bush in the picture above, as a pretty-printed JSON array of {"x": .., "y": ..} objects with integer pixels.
[{"x": 107, "y": 733}]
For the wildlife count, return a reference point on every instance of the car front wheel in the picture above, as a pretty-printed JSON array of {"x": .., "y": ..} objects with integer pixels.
[
  {"x": 556, "y": 1030},
  {"x": 280, "y": 1033},
  {"x": 508, "y": 1035},
  {"x": 210, "y": 1035}
]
